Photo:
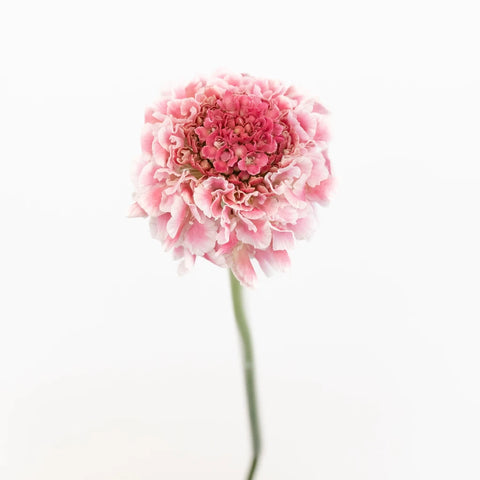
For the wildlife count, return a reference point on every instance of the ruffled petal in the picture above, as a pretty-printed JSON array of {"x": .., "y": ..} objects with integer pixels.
[
  {"x": 200, "y": 238},
  {"x": 273, "y": 260},
  {"x": 242, "y": 267},
  {"x": 259, "y": 236},
  {"x": 136, "y": 211},
  {"x": 176, "y": 222},
  {"x": 282, "y": 239}
]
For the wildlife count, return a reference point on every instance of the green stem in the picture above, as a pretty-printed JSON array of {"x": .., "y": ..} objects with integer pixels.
[{"x": 249, "y": 370}]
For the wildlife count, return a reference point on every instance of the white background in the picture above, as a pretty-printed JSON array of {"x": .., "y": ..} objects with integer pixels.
[{"x": 114, "y": 368}]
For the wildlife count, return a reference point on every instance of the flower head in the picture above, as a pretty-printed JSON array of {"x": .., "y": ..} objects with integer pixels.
[{"x": 230, "y": 170}]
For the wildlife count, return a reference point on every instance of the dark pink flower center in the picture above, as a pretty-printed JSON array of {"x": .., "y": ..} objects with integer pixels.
[{"x": 239, "y": 136}]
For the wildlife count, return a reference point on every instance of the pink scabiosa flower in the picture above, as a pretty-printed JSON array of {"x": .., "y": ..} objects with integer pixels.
[{"x": 230, "y": 170}]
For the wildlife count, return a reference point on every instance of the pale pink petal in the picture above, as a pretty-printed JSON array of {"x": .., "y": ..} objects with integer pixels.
[
  {"x": 158, "y": 227},
  {"x": 293, "y": 199},
  {"x": 271, "y": 261},
  {"x": 160, "y": 155},
  {"x": 203, "y": 198},
  {"x": 319, "y": 171},
  {"x": 136, "y": 211},
  {"x": 200, "y": 238},
  {"x": 149, "y": 199},
  {"x": 321, "y": 193},
  {"x": 323, "y": 129},
  {"x": 293, "y": 121},
  {"x": 307, "y": 122},
  {"x": 179, "y": 212},
  {"x": 146, "y": 177},
  {"x": 242, "y": 266},
  {"x": 216, "y": 259},
  {"x": 304, "y": 227},
  {"x": 137, "y": 166},
  {"x": 254, "y": 214},
  {"x": 258, "y": 238},
  {"x": 187, "y": 263},
  {"x": 178, "y": 253},
  {"x": 282, "y": 239},
  {"x": 209, "y": 194},
  {"x": 147, "y": 139}
]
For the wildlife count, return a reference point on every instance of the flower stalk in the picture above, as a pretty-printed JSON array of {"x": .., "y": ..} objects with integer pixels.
[{"x": 249, "y": 371}]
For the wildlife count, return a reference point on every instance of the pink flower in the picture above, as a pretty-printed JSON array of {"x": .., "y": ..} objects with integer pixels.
[{"x": 230, "y": 170}]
